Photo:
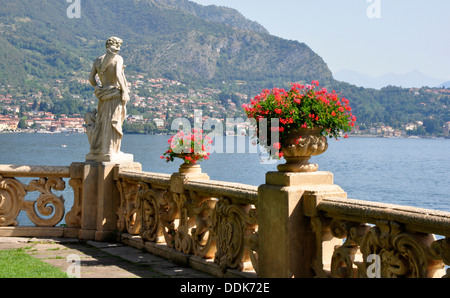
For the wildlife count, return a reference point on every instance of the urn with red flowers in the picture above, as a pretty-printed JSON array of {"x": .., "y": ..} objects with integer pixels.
[{"x": 298, "y": 121}]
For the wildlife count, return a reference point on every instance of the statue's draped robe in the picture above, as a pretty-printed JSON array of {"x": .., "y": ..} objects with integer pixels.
[{"x": 107, "y": 131}]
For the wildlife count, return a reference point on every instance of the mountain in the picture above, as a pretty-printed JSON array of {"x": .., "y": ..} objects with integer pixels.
[
  {"x": 444, "y": 85},
  {"x": 408, "y": 80},
  {"x": 175, "y": 39},
  {"x": 214, "y": 13}
]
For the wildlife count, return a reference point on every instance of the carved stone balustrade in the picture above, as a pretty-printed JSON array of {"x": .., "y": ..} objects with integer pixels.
[
  {"x": 294, "y": 225},
  {"x": 95, "y": 200},
  {"x": 212, "y": 220},
  {"x": 48, "y": 209},
  {"x": 367, "y": 239}
]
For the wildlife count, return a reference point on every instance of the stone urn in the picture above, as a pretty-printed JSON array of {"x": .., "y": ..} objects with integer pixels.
[
  {"x": 304, "y": 143},
  {"x": 188, "y": 167}
]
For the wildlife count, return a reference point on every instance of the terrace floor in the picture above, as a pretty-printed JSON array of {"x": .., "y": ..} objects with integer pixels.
[{"x": 99, "y": 259}]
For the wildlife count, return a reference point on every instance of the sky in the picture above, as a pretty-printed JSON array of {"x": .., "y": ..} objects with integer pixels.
[{"x": 371, "y": 37}]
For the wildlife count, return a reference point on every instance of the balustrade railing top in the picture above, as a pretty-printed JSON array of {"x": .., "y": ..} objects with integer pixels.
[
  {"x": 34, "y": 171},
  {"x": 417, "y": 219}
]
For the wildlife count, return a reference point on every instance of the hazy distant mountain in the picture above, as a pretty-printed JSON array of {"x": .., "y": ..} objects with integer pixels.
[
  {"x": 411, "y": 79},
  {"x": 445, "y": 84}
]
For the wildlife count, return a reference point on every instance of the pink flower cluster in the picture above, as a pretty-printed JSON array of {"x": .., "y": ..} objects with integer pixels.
[{"x": 191, "y": 147}]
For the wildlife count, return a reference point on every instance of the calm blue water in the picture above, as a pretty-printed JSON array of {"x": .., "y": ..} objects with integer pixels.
[{"x": 413, "y": 172}]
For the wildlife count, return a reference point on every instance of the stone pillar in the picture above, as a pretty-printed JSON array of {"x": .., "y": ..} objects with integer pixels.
[
  {"x": 100, "y": 199},
  {"x": 89, "y": 201},
  {"x": 286, "y": 238}
]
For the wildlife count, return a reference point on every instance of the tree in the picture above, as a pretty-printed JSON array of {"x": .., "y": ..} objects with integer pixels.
[
  {"x": 43, "y": 106},
  {"x": 22, "y": 124},
  {"x": 35, "y": 105},
  {"x": 433, "y": 126}
]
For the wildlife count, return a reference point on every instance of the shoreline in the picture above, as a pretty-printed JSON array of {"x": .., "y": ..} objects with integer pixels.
[{"x": 368, "y": 136}]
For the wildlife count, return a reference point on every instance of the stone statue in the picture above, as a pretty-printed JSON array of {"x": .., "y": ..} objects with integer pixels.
[{"x": 104, "y": 125}]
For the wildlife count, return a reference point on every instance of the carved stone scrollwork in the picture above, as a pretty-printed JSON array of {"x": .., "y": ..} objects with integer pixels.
[
  {"x": 12, "y": 201},
  {"x": 128, "y": 219},
  {"x": 251, "y": 238},
  {"x": 47, "y": 203},
  {"x": 228, "y": 226},
  {"x": 158, "y": 212},
  {"x": 346, "y": 258},
  {"x": 400, "y": 253},
  {"x": 325, "y": 244},
  {"x": 12, "y": 193},
  {"x": 199, "y": 224},
  {"x": 73, "y": 217},
  {"x": 441, "y": 248},
  {"x": 202, "y": 234},
  {"x": 231, "y": 229},
  {"x": 168, "y": 215},
  {"x": 182, "y": 240},
  {"x": 148, "y": 212}
]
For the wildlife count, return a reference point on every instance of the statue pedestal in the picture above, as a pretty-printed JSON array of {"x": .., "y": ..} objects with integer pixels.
[{"x": 100, "y": 198}]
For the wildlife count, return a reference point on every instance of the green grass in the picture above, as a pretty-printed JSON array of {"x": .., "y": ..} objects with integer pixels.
[{"x": 16, "y": 263}]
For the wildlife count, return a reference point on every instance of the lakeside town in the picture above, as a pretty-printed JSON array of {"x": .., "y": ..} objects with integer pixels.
[{"x": 154, "y": 103}]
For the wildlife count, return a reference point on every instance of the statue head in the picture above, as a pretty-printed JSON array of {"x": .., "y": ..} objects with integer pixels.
[{"x": 113, "y": 44}]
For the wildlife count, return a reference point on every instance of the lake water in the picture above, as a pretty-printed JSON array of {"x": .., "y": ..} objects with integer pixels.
[{"x": 414, "y": 172}]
